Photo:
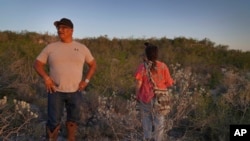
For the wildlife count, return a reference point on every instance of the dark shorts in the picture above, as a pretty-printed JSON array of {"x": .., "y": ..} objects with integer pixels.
[{"x": 56, "y": 103}]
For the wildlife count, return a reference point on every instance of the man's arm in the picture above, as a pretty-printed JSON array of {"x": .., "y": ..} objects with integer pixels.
[
  {"x": 39, "y": 67},
  {"x": 92, "y": 68}
]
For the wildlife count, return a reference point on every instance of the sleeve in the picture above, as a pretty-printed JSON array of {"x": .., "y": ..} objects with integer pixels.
[
  {"x": 168, "y": 79},
  {"x": 89, "y": 56},
  {"x": 43, "y": 56}
]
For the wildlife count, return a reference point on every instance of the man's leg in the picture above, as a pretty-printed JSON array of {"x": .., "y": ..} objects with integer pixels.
[
  {"x": 55, "y": 112},
  {"x": 73, "y": 104}
]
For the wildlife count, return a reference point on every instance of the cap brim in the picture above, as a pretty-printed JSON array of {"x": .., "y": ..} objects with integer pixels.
[{"x": 56, "y": 23}]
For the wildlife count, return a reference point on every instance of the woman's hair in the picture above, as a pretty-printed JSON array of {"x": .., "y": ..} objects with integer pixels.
[{"x": 151, "y": 52}]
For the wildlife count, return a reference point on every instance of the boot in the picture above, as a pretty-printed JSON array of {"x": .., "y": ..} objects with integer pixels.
[
  {"x": 52, "y": 136},
  {"x": 71, "y": 129}
]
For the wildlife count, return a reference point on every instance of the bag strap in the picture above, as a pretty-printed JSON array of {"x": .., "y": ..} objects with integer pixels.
[{"x": 149, "y": 74}]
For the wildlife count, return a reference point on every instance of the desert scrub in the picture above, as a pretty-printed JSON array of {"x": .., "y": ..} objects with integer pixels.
[{"x": 15, "y": 118}]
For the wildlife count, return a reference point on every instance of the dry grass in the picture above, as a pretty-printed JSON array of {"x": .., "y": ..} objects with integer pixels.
[
  {"x": 196, "y": 113},
  {"x": 109, "y": 110}
]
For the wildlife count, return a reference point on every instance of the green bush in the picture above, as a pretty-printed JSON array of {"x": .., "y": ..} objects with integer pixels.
[{"x": 211, "y": 88}]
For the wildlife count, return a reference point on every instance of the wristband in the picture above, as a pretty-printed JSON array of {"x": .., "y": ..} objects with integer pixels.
[{"x": 86, "y": 80}]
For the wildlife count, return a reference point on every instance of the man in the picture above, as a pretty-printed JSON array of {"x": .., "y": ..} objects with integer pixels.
[{"x": 65, "y": 81}]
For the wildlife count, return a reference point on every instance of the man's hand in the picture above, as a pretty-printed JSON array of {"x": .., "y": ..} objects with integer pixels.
[
  {"x": 82, "y": 85},
  {"x": 39, "y": 67},
  {"x": 50, "y": 86}
]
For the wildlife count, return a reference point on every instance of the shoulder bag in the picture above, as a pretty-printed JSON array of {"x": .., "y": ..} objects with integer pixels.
[{"x": 162, "y": 98}]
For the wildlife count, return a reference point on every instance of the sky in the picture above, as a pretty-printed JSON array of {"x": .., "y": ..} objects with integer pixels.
[{"x": 224, "y": 22}]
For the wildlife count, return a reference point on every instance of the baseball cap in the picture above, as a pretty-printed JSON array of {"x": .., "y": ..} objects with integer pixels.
[{"x": 64, "y": 21}]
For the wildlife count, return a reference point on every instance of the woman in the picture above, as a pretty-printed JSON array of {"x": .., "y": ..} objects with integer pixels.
[{"x": 159, "y": 73}]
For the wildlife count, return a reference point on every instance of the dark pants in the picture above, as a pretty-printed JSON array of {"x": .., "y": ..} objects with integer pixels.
[{"x": 56, "y": 103}]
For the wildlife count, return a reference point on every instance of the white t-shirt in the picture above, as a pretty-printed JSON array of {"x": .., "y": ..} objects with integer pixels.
[{"x": 66, "y": 61}]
